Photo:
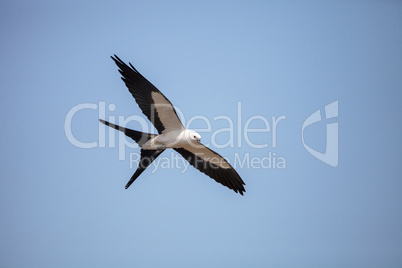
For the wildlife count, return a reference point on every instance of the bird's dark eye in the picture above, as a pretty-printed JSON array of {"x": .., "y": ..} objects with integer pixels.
[{"x": 194, "y": 137}]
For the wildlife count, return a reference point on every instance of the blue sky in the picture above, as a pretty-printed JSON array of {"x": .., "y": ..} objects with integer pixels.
[{"x": 64, "y": 206}]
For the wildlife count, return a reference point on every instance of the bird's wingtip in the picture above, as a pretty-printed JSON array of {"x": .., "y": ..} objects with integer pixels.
[{"x": 115, "y": 58}]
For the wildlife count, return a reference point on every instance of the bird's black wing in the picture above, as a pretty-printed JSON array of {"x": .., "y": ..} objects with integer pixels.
[
  {"x": 213, "y": 165},
  {"x": 151, "y": 101}
]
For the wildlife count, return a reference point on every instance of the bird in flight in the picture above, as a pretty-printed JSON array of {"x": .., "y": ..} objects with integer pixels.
[{"x": 172, "y": 133}]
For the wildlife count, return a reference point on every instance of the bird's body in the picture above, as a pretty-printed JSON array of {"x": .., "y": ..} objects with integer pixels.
[
  {"x": 172, "y": 133},
  {"x": 170, "y": 139}
]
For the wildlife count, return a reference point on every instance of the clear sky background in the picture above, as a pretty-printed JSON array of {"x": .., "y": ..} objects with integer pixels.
[{"x": 64, "y": 206}]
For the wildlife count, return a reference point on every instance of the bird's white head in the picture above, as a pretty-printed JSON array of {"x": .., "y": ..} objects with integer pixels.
[{"x": 194, "y": 136}]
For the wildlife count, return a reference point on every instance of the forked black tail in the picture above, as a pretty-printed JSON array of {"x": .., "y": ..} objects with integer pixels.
[
  {"x": 147, "y": 156},
  {"x": 139, "y": 137}
]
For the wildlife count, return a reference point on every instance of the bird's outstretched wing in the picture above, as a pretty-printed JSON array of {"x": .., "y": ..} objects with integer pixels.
[
  {"x": 151, "y": 101},
  {"x": 213, "y": 165}
]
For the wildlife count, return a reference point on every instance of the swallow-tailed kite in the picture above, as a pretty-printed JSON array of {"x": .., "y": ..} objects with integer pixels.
[{"x": 172, "y": 133}]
